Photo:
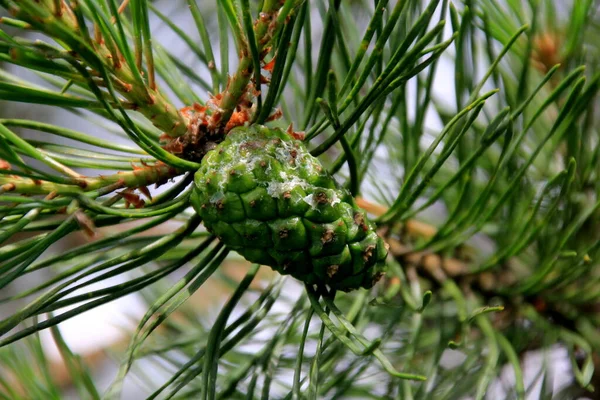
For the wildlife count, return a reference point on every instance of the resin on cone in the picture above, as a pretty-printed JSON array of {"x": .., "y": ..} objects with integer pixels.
[{"x": 263, "y": 194}]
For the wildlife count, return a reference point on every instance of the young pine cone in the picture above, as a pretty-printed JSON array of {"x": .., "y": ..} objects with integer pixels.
[{"x": 263, "y": 194}]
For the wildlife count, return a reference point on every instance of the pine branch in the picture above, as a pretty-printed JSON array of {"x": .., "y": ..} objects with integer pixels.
[
  {"x": 107, "y": 53},
  {"x": 489, "y": 196},
  {"x": 140, "y": 177}
]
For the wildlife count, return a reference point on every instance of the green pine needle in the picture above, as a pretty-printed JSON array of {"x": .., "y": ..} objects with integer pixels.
[{"x": 468, "y": 130}]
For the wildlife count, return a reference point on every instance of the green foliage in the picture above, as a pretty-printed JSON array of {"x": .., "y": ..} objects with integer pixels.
[{"x": 505, "y": 172}]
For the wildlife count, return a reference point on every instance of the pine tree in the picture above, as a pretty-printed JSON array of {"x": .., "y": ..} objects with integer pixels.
[{"x": 487, "y": 201}]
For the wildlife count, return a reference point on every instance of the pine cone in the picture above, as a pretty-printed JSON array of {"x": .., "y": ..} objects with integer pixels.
[{"x": 263, "y": 194}]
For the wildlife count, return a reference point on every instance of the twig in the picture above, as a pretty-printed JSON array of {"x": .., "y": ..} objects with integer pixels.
[
  {"x": 265, "y": 27},
  {"x": 139, "y": 177},
  {"x": 147, "y": 100},
  {"x": 439, "y": 266}
]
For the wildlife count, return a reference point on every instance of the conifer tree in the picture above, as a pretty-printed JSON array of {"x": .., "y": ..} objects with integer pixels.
[{"x": 403, "y": 224}]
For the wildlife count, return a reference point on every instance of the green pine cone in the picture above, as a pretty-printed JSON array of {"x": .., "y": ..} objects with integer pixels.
[{"x": 263, "y": 194}]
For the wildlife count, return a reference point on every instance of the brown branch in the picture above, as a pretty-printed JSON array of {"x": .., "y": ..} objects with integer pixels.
[{"x": 438, "y": 266}]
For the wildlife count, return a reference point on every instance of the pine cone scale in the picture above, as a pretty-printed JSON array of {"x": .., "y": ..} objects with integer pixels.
[{"x": 263, "y": 194}]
